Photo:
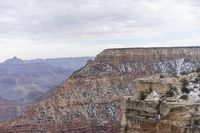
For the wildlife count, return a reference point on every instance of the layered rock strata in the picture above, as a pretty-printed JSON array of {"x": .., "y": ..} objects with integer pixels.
[
  {"x": 172, "y": 106},
  {"x": 89, "y": 101}
]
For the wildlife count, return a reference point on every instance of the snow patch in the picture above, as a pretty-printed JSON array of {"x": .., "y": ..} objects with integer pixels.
[{"x": 153, "y": 96}]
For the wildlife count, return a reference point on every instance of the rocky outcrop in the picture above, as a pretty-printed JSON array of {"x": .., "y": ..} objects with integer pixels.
[
  {"x": 142, "y": 117},
  {"x": 168, "y": 108},
  {"x": 89, "y": 101},
  {"x": 159, "y": 85}
]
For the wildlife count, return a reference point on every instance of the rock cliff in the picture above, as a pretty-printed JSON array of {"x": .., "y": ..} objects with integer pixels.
[
  {"x": 171, "y": 106},
  {"x": 89, "y": 101},
  {"x": 24, "y": 82}
]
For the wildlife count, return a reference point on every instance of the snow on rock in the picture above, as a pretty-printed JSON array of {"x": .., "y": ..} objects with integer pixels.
[
  {"x": 179, "y": 63},
  {"x": 195, "y": 92},
  {"x": 153, "y": 96},
  {"x": 194, "y": 87},
  {"x": 194, "y": 95}
]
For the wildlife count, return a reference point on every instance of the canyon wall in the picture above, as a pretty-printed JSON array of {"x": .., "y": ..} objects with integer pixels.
[
  {"x": 89, "y": 101},
  {"x": 166, "y": 109}
]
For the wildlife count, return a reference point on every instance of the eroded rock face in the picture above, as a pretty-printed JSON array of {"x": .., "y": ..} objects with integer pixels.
[
  {"x": 89, "y": 101},
  {"x": 141, "y": 117},
  {"x": 147, "y": 61},
  {"x": 172, "y": 106}
]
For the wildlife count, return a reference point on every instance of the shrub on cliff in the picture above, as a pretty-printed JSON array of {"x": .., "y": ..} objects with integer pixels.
[
  {"x": 172, "y": 91},
  {"x": 198, "y": 78},
  {"x": 169, "y": 93},
  {"x": 185, "y": 83},
  {"x": 185, "y": 90},
  {"x": 143, "y": 95},
  {"x": 198, "y": 69},
  {"x": 161, "y": 76},
  {"x": 184, "y": 97},
  {"x": 196, "y": 122},
  {"x": 150, "y": 89}
]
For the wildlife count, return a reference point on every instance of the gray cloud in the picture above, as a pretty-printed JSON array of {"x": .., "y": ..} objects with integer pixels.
[
  {"x": 72, "y": 18},
  {"x": 74, "y": 21},
  {"x": 79, "y": 18}
]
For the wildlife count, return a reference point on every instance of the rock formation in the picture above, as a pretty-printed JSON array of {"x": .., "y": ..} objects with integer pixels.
[
  {"x": 24, "y": 82},
  {"x": 170, "y": 106},
  {"x": 89, "y": 101}
]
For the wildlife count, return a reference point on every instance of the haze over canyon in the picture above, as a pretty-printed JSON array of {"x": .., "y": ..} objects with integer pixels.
[{"x": 90, "y": 100}]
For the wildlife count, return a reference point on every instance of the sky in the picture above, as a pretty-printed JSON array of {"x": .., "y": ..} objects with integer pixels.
[{"x": 69, "y": 28}]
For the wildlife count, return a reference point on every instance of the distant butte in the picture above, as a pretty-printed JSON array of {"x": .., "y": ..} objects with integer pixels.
[{"x": 13, "y": 61}]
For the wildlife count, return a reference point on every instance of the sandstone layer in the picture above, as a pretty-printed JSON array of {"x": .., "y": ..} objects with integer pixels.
[
  {"x": 168, "y": 108},
  {"x": 89, "y": 101}
]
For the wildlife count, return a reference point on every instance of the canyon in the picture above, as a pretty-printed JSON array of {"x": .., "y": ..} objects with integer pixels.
[
  {"x": 24, "y": 82},
  {"x": 89, "y": 100}
]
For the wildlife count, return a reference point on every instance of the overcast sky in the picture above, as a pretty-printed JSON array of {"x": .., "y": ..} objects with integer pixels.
[{"x": 62, "y": 28}]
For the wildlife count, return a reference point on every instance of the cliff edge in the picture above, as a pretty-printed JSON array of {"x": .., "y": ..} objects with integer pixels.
[
  {"x": 163, "y": 105},
  {"x": 89, "y": 101}
]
